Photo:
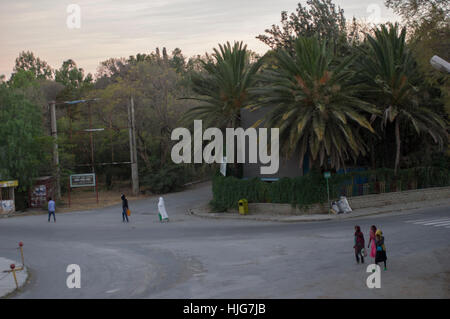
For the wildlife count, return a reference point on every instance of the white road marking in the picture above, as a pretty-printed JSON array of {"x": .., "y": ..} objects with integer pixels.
[
  {"x": 415, "y": 220},
  {"x": 431, "y": 222},
  {"x": 418, "y": 221},
  {"x": 112, "y": 291},
  {"x": 440, "y": 222}
]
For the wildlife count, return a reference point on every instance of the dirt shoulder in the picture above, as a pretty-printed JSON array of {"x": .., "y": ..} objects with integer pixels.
[{"x": 83, "y": 200}]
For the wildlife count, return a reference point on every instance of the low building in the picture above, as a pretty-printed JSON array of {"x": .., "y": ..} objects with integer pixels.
[{"x": 7, "y": 201}]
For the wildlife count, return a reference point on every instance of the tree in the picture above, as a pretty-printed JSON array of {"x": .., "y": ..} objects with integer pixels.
[
  {"x": 312, "y": 99},
  {"x": 415, "y": 12},
  {"x": 391, "y": 77},
  {"x": 156, "y": 87},
  {"x": 222, "y": 86},
  {"x": 111, "y": 67},
  {"x": 320, "y": 17},
  {"x": 73, "y": 79},
  {"x": 71, "y": 76},
  {"x": 24, "y": 148},
  {"x": 40, "y": 91},
  {"x": 178, "y": 61},
  {"x": 28, "y": 62}
]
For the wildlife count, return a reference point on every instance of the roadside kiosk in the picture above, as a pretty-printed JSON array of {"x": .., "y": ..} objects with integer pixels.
[{"x": 7, "y": 205}]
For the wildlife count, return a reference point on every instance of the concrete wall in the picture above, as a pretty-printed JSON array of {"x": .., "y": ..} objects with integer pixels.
[{"x": 357, "y": 202}]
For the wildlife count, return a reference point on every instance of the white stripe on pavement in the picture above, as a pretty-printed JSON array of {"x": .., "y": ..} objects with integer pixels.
[
  {"x": 425, "y": 220},
  {"x": 432, "y": 221},
  {"x": 439, "y": 222},
  {"x": 436, "y": 223},
  {"x": 442, "y": 224},
  {"x": 416, "y": 220}
]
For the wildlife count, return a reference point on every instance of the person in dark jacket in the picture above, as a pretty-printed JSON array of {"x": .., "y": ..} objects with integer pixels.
[
  {"x": 124, "y": 208},
  {"x": 359, "y": 244},
  {"x": 380, "y": 255}
]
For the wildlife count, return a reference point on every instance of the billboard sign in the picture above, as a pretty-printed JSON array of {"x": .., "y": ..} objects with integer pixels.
[
  {"x": 9, "y": 183},
  {"x": 82, "y": 180}
]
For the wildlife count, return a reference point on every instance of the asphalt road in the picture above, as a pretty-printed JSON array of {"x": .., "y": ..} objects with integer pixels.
[{"x": 192, "y": 257}]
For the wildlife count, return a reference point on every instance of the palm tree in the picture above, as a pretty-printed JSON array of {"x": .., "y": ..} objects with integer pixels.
[
  {"x": 312, "y": 100},
  {"x": 390, "y": 74},
  {"x": 222, "y": 86}
]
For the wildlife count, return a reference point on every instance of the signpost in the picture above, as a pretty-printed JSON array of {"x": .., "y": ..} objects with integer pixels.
[
  {"x": 327, "y": 176},
  {"x": 83, "y": 180}
]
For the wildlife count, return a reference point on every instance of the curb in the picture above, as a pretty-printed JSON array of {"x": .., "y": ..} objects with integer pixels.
[
  {"x": 21, "y": 287},
  {"x": 291, "y": 218}
]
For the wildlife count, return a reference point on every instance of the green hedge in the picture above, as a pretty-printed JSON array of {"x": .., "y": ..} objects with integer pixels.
[{"x": 311, "y": 188}]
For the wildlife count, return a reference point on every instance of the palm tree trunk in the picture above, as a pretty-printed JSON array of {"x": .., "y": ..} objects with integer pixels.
[{"x": 398, "y": 142}]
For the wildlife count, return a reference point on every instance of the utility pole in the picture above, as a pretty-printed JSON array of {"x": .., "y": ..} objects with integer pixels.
[
  {"x": 91, "y": 137},
  {"x": 55, "y": 148},
  {"x": 133, "y": 152}
]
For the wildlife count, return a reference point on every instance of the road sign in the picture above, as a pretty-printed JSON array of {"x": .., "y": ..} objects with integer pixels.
[
  {"x": 327, "y": 175},
  {"x": 82, "y": 180}
]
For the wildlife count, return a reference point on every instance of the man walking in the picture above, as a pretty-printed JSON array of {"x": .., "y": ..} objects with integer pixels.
[
  {"x": 51, "y": 209},
  {"x": 124, "y": 208}
]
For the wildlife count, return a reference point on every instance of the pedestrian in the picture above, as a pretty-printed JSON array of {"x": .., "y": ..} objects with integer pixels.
[
  {"x": 124, "y": 208},
  {"x": 51, "y": 209},
  {"x": 381, "y": 248},
  {"x": 163, "y": 217},
  {"x": 359, "y": 244},
  {"x": 373, "y": 248}
]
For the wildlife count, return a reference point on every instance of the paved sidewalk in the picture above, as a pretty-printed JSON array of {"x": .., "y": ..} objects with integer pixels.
[
  {"x": 203, "y": 212},
  {"x": 7, "y": 284}
]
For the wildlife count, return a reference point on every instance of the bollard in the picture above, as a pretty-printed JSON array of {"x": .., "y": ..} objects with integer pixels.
[
  {"x": 21, "y": 253},
  {"x": 13, "y": 270}
]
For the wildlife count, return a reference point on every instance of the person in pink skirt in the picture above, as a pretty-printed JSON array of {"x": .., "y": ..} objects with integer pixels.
[{"x": 373, "y": 249}]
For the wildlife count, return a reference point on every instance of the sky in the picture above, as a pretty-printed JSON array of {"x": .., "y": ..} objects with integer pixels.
[{"x": 118, "y": 28}]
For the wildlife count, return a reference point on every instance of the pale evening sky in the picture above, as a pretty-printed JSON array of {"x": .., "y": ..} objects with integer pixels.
[{"x": 117, "y": 28}]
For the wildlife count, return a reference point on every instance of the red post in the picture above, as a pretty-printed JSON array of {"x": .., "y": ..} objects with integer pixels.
[
  {"x": 68, "y": 185},
  {"x": 21, "y": 254},
  {"x": 96, "y": 188},
  {"x": 13, "y": 270}
]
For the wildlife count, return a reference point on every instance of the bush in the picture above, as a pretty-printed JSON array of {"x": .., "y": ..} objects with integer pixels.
[
  {"x": 311, "y": 188},
  {"x": 166, "y": 180}
]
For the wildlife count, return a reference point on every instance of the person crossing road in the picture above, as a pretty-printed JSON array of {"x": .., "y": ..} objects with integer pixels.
[
  {"x": 51, "y": 209},
  {"x": 124, "y": 208}
]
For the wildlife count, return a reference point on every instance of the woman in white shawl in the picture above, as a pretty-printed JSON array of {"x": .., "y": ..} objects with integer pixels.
[{"x": 162, "y": 210}]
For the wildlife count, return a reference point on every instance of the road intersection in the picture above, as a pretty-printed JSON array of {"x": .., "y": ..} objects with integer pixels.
[{"x": 193, "y": 257}]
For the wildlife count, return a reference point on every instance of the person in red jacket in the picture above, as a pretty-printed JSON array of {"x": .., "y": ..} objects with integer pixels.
[{"x": 359, "y": 244}]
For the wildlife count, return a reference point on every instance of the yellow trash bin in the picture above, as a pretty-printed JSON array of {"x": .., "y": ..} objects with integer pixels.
[{"x": 243, "y": 206}]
